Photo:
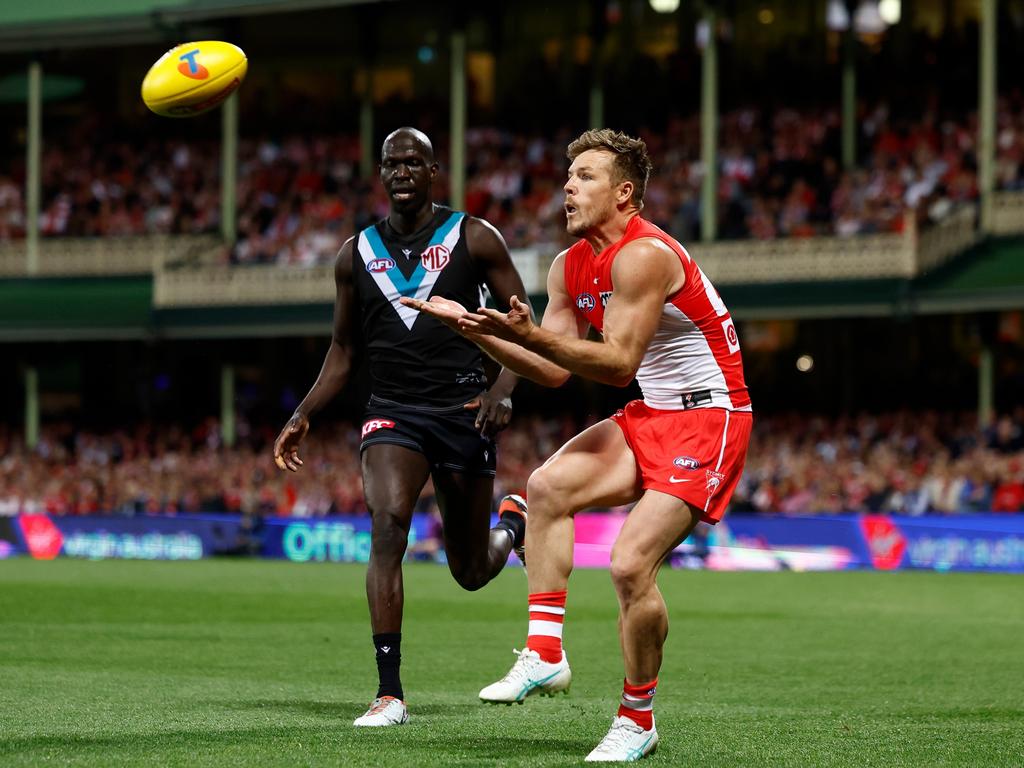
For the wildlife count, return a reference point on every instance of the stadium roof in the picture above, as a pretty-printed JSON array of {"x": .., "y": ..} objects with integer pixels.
[{"x": 47, "y": 24}]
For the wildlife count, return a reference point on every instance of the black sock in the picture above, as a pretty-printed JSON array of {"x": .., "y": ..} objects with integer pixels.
[
  {"x": 389, "y": 660},
  {"x": 514, "y": 524}
]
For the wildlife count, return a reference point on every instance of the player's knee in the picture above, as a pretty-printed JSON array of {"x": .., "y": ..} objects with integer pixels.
[
  {"x": 470, "y": 579},
  {"x": 389, "y": 535},
  {"x": 546, "y": 484},
  {"x": 630, "y": 575}
]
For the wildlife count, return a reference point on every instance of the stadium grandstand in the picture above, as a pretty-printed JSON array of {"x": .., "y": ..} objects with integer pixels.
[{"x": 848, "y": 173}]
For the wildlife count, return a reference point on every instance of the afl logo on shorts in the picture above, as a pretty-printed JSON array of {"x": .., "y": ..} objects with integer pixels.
[
  {"x": 435, "y": 258},
  {"x": 374, "y": 424},
  {"x": 380, "y": 265},
  {"x": 686, "y": 462},
  {"x": 585, "y": 302}
]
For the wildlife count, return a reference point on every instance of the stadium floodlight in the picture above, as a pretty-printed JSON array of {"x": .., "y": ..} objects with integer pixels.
[
  {"x": 665, "y": 6},
  {"x": 805, "y": 363},
  {"x": 837, "y": 17},
  {"x": 867, "y": 20},
  {"x": 889, "y": 10}
]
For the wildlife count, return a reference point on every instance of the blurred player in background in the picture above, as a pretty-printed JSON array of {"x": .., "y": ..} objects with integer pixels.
[
  {"x": 678, "y": 453},
  {"x": 431, "y": 413}
]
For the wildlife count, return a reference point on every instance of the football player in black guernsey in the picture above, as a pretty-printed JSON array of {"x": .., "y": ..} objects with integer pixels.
[{"x": 432, "y": 411}]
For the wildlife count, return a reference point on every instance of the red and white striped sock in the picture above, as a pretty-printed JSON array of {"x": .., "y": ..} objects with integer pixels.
[
  {"x": 638, "y": 703},
  {"x": 547, "y": 612}
]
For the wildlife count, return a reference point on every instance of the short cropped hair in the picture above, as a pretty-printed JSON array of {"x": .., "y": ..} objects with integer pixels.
[{"x": 631, "y": 162}]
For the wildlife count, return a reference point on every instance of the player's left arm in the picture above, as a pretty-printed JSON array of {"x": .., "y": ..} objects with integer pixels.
[
  {"x": 489, "y": 252},
  {"x": 644, "y": 274}
]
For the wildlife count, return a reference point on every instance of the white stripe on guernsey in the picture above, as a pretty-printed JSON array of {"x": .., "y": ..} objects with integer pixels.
[
  {"x": 546, "y": 628},
  {"x": 388, "y": 288},
  {"x": 547, "y": 609}
]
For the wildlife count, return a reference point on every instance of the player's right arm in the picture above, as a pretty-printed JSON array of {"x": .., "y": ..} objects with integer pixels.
[{"x": 334, "y": 372}]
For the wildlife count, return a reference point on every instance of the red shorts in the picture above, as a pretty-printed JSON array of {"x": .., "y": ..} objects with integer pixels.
[{"x": 696, "y": 455}]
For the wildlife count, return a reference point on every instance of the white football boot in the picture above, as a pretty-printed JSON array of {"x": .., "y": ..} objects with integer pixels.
[
  {"x": 386, "y": 710},
  {"x": 625, "y": 742},
  {"x": 528, "y": 676}
]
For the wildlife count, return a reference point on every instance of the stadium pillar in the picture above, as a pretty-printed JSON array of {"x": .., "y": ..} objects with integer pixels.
[
  {"x": 457, "y": 150},
  {"x": 598, "y": 30},
  {"x": 849, "y": 127},
  {"x": 986, "y": 387},
  {"x": 987, "y": 110},
  {"x": 32, "y": 166},
  {"x": 227, "y": 406},
  {"x": 709, "y": 131},
  {"x": 31, "y": 408},
  {"x": 366, "y": 129},
  {"x": 229, "y": 170}
]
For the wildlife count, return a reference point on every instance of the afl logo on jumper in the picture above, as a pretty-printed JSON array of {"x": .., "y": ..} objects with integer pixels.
[
  {"x": 379, "y": 265},
  {"x": 435, "y": 258},
  {"x": 374, "y": 424},
  {"x": 585, "y": 302}
]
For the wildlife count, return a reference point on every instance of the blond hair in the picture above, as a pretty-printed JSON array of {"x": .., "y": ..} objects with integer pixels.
[{"x": 631, "y": 161}]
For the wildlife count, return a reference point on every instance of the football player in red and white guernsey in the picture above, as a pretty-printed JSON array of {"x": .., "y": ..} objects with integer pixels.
[{"x": 678, "y": 452}]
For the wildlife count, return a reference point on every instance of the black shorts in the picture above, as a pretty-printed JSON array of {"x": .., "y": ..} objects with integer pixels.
[{"x": 446, "y": 436}]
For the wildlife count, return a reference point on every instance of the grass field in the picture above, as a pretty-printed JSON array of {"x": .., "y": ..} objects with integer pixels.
[{"x": 266, "y": 663}]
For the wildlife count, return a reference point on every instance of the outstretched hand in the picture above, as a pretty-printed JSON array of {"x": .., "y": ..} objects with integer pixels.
[
  {"x": 515, "y": 325},
  {"x": 286, "y": 447},
  {"x": 447, "y": 311}
]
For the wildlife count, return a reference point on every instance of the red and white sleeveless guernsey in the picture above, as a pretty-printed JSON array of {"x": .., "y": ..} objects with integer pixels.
[{"x": 690, "y": 432}]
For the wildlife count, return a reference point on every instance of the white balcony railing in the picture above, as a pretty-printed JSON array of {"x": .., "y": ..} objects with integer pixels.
[
  {"x": 186, "y": 273},
  {"x": 105, "y": 256}
]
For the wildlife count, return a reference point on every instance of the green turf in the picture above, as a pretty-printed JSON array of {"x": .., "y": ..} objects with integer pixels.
[{"x": 266, "y": 663}]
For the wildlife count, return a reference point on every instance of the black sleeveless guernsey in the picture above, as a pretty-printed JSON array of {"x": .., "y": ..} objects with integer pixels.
[{"x": 414, "y": 358}]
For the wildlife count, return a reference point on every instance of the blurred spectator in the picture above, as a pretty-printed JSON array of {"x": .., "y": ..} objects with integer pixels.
[
  {"x": 300, "y": 196},
  {"x": 902, "y": 463}
]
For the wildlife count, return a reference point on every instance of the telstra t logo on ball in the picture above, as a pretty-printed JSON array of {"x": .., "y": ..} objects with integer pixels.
[{"x": 189, "y": 67}]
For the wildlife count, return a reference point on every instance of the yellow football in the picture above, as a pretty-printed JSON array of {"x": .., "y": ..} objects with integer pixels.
[{"x": 194, "y": 78}]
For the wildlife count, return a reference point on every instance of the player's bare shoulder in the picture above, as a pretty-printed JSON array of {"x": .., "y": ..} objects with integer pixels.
[
  {"x": 649, "y": 260},
  {"x": 556, "y": 273},
  {"x": 343, "y": 262},
  {"x": 484, "y": 240}
]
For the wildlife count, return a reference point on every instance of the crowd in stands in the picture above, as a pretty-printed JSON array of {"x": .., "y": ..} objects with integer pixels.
[
  {"x": 905, "y": 463},
  {"x": 300, "y": 196}
]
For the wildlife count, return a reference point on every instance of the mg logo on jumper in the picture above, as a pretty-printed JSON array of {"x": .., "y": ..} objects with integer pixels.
[
  {"x": 189, "y": 67},
  {"x": 380, "y": 265},
  {"x": 435, "y": 258},
  {"x": 585, "y": 302}
]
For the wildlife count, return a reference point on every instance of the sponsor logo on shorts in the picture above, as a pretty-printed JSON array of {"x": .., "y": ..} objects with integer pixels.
[
  {"x": 585, "y": 302},
  {"x": 379, "y": 265},
  {"x": 435, "y": 258},
  {"x": 674, "y": 479},
  {"x": 374, "y": 424},
  {"x": 191, "y": 68},
  {"x": 714, "y": 481},
  {"x": 686, "y": 462}
]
